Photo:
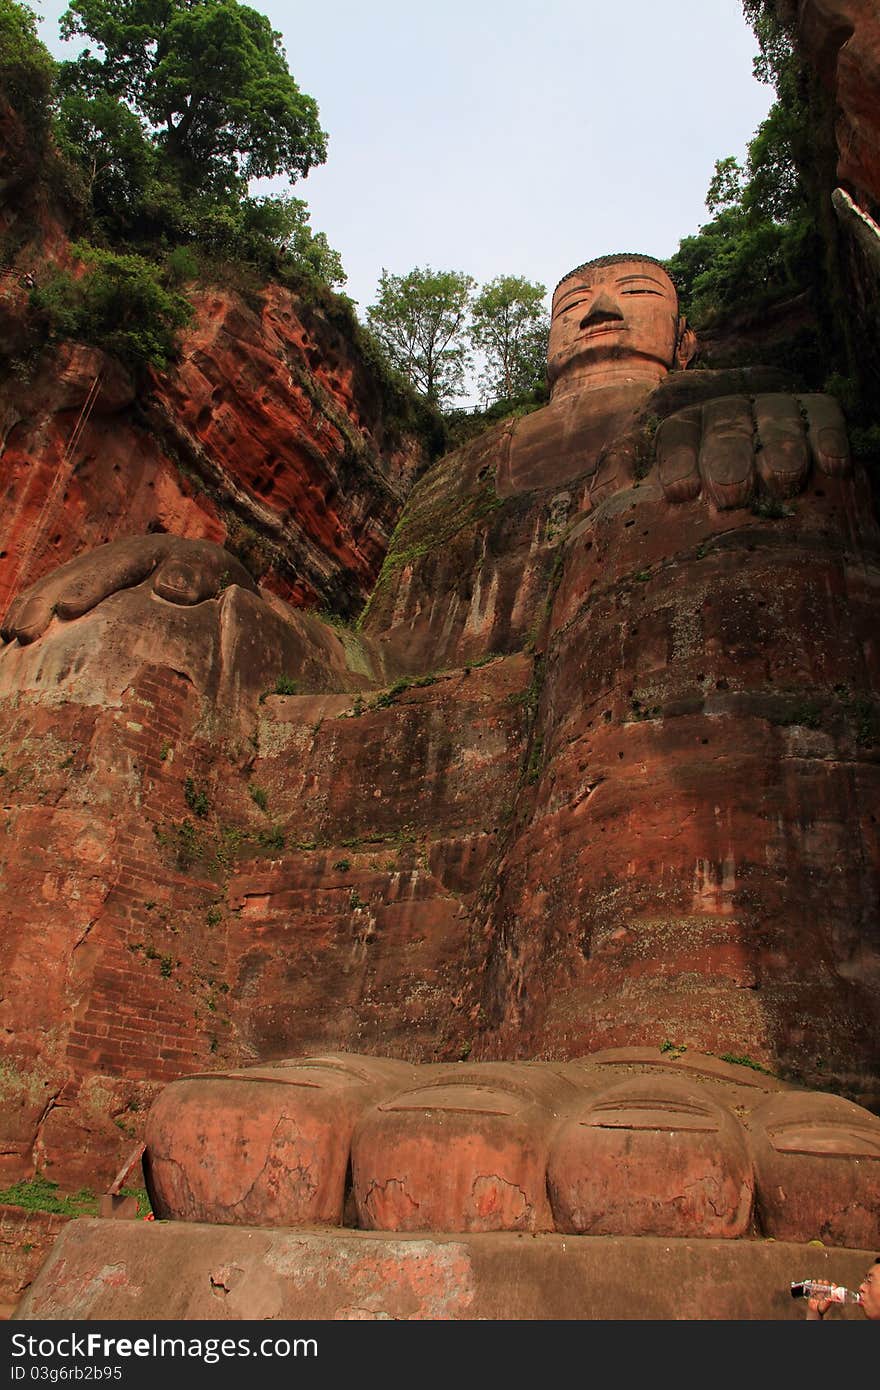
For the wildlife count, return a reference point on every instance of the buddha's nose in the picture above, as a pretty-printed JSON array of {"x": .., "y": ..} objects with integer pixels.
[{"x": 604, "y": 309}]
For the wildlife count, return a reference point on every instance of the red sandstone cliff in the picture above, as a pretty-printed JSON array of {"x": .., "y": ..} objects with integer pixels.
[
  {"x": 841, "y": 39},
  {"x": 665, "y": 829},
  {"x": 270, "y": 434},
  {"x": 266, "y": 436}
]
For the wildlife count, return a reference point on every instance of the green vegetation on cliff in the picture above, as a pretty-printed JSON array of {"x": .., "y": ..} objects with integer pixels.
[
  {"x": 26, "y": 67},
  {"x": 120, "y": 303},
  {"x": 145, "y": 144},
  {"x": 147, "y": 141},
  {"x": 773, "y": 238},
  {"x": 177, "y": 107},
  {"x": 763, "y": 243}
]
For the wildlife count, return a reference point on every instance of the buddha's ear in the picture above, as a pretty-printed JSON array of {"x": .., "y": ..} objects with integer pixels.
[{"x": 686, "y": 344}]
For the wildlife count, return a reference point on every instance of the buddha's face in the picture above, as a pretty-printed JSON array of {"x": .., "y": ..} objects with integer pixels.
[{"x": 608, "y": 317}]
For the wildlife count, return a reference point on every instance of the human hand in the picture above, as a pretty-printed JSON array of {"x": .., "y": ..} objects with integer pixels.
[
  {"x": 818, "y": 1307},
  {"x": 721, "y": 449},
  {"x": 183, "y": 572}
]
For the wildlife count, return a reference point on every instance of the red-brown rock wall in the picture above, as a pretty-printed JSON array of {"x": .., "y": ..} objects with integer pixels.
[
  {"x": 468, "y": 571},
  {"x": 165, "y": 911},
  {"x": 91, "y": 920},
  {"x": 266, "y": 436},
  {"x": 700, "y": 860},
  {"x": 26, "y": 1237},
  {"x": 841, "y": 38}
]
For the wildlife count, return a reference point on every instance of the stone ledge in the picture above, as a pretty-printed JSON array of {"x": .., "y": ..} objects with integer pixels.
[{"x": 177, "y": 1270}]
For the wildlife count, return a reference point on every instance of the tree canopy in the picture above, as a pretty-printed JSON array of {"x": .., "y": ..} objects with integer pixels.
[
  {"x": 761, "y": 242},
  {"x": 148, "y": 140},
  {"x": 118, "y": 304},
  {"x": 510, "y": 326},
  {"x": 420, "y": 320},
  {"x": 26, "y": 67},
  {"x": 178, "y": 104},
  {"x": 210, "y": 79}
]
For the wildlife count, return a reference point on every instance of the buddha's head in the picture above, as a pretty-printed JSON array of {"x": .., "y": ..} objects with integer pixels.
[{"x": 615, "y": 319}]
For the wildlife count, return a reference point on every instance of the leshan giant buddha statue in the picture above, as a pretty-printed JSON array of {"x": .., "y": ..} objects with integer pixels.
[{"x": 648, "y": 819}]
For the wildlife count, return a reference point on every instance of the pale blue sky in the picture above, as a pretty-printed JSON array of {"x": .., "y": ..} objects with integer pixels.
[{"x": 507, "y": 137}]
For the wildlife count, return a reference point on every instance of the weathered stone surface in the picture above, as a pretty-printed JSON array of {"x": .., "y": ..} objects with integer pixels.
[
  {"x": 817, "y": 1161},
  {"x": 842, "y": 39},
  {"x": 87, "y": 630},
  {"x": 487, "y": 1129},
  {"x": 468, "y": 572},
  {"x": 652, "y": 1157},
  {"x": 267, "y": 436},
  {"x": 651, "y": 820},
  {"x": 197, "y": 939},
  {"x": 632, "y": 1142},
  {"x": 275, "y": 401},
  {"x": 724, "y": 665},
  {"x": 269, "y": 1147},
  {"x": 26, "y": 1238},
  {"x": 103, "y": 1271}
]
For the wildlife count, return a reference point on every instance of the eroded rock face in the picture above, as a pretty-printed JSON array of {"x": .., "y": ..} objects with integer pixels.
[
  {"x": 267, "y": 437},
  {"x": 621, "y": 1143},
  {"x": 186, "y": 887},
  {"x": 842, "y": 39},
  {"x": 269, "y": 1146},
  {"x": 275, "y": 400}
]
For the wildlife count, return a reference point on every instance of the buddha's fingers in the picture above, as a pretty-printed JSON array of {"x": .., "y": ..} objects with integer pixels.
[
  {"x": 81, "y": 584},
  {"x": 783, "y": 458},
  {"x": 678, "y": 455},
  {"x": 29, "y": 616},
  {"x": 91, "y": 578},
  {"x": 727, "y": 462},
  {"x": 826, "y": 431}
]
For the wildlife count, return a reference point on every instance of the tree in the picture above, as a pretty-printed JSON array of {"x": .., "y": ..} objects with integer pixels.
[
  {"x": 726, "y": 187},
  {"x": 510, "y": 325},
  {"x": 284, "y": 223},
  {"x": 761, "y": 244},
  {"x": 775, "y": 188},
  {"x": 270, "y": 233},
  {"x": 420, "y": 319},
  {"x": 210, "y": 79},
  {"x": 108, "y": 142},
  {"x": 26, "y": 66}
]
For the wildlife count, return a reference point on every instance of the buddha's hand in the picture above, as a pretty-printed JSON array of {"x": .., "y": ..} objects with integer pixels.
[
  {"x": 731, "y": 448},
  {"x": 181, "y": 572}
]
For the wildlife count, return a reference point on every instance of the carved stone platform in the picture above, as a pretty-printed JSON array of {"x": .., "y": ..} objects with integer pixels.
[{"x": 180, "y": 1270}]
